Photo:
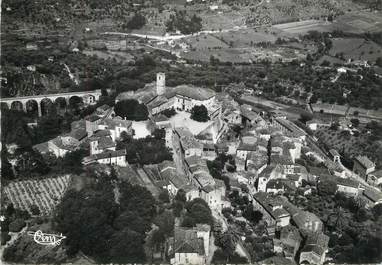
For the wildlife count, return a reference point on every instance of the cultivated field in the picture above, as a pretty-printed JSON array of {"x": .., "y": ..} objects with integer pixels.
[
  {"x": 359, "y": 22},
  {"x": 356, "y": 49},
  {"x": 122, "y": 57},
  {"x": 303, "y": 27},
  {"x": 245, "y": 37},
  {"x": 247, "y": 55},
  {"x": 45, "y": 193},
  {"x": 205, "y": 42}
]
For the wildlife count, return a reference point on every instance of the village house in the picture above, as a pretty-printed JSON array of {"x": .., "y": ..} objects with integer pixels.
[
  {"x": 108, "y": 157},
  {"x": 256, "y": 162},
  {"x": 247, "y": 145},
  {"x": 292, "y": 148},
  {"x": 301, "y": 171},
  {"x": 284, "y": 161},
  {"x": 168, "y": 172},
  {"x": 315, "y": 124},
  {"x": 157, "y": 97},
  {"x": 209, "y": 152},
  {"x": 211, "y": 190},
  {"x": 305, "y": 221},
  {"x": 270, "y": 172},
  {"x": 314, "y": 173},
  {"x": 288, "y": 243},
  {"x": 348, "y": 186},
  {"x": 279, "y": 186},
  {"x": 58, "y": 146},
  {"x": 375, "y": 178},
  {"x": 105, "y": 111},
  {"x": 190, "y": 146},
  {"x": 189, "y": 245},
  {"x": 272, "y": 209},
  {"x": 246, "y": 178},
  {"x": 276, "y": 143},
  {"x": 335, "y": 168},
  {"x": 250, "y": 118},
  {"x": 335, "y": 155},
  {"x": 91, "y": 123},
  {"x": 214, "y": 195},
  {"x": 363, "y": 166},
  {"x": 315, "y": 248},
  {"x": 101, "y": 141},
  {"x": 371, "y": 197},
  {"x": 230, "y": 109},
  {"x": 116, "y": 127}
]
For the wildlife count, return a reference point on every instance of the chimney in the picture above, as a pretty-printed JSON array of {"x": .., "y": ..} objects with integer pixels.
[{"x": 161, "y": 83}]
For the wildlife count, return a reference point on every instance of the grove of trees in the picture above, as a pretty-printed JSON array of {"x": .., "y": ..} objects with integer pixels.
[
  {"x": 97, "y": 225},
  {"x": 185, "y": 24},
  {"x": 131, "y": 109}
]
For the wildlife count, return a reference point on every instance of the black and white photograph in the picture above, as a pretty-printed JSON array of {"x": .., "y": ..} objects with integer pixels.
[{"x": 191, "y": 132}]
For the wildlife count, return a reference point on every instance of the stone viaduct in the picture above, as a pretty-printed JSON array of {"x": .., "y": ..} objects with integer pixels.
[{"x": 87, "y": 97}]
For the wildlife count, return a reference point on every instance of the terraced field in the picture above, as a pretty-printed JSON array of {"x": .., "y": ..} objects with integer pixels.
[{"x": 45, "y": 193}]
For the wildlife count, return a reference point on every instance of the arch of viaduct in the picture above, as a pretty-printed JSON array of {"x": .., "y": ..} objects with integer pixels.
[{"x": 87, "y": 97}]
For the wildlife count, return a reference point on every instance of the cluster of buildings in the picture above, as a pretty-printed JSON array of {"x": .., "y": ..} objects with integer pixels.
[
  {"x": 267, "y": 154},
  {"x": 99, "y": 131}
]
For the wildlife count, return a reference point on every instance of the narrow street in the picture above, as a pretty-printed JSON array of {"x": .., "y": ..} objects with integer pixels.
[
  {"x": 240, "y": 249},
  {"x": 177, "y": 156}
]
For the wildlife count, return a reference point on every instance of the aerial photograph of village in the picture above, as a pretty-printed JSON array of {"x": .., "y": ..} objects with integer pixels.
[{"x": 191, "y": 132}]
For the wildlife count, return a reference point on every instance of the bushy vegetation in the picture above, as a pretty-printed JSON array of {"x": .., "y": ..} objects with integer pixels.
[
  {"x": 131, "y": 109},
  {"x": 197, "y": 212},
  {"x": 354, "y": 231},
  {"x": 185, "y": 24},
  {"x": 149, "y": 150},
  {"x": 92, "y": 215},
  {"x": 136, "y": 22},
  {"x": 199, "y": 113}
]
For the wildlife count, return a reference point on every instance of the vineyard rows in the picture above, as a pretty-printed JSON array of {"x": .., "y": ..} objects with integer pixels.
[{"x": 44, "y": 193}]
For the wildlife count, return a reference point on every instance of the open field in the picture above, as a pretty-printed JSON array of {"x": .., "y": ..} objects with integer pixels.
[
  {"x": 205, "y": 42},
  {"x": 44, "y": 193},
  {"x": 359, "y": 22},
  {"x": 350, "y": 145},
  {"x": 245, "y": 37},
  {"x": 344, "y": 110},
  {"x": 356, "y": 49},
  {"x": 303, "y": 27},
  {"x": 122, "y": 57},
  {"x": 247, "y": 55}
]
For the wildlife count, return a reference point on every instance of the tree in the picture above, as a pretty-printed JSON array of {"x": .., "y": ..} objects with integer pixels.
[
  {"x": 305, "y": 116},
  {"x": 131, "y": 220},
  {"x": 164, "y": 196},
  {"x": 379, "y": 61},
  {"x": 199, "y": 113},
  {"x": 181, "y": 21},
  {"x": 165, "y": 222},
  {"x": 227, "y": 241},
  {"x": 377, "y": 211},
  {"x": 252, "y": 215},
  {"x": 131, "y": 109},
  {"x": 16, "y": 225},
  {"x": 326, "y": 187},
  {"x": 127, "y": 247},
  {"x": 35, "y": 210},
  {"x": 355, "y": 122},
  {"x": 136, "y": 22},
  {"x": 198, "y": 212},
  {"x": 72, "y": 162}
]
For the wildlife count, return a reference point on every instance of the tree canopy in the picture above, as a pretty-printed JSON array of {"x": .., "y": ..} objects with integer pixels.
[
  {"x": 95, "y": 223},
  {"x": 131, "y": 109},
  {"x": 199, "y": 113}
]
